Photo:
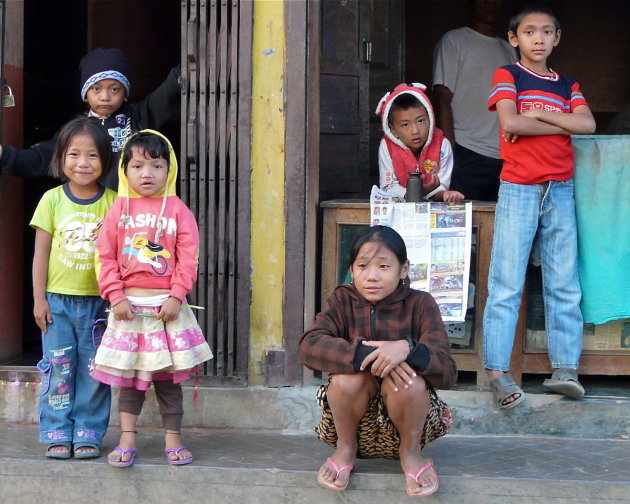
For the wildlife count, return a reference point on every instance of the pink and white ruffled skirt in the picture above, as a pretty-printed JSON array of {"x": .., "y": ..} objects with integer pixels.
[{"x": 134, "y": 353}]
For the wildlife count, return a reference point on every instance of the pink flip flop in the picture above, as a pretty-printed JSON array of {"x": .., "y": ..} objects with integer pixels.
[
  {"x": 331, "y": 484},
  {"x": 176, "y": 452},
  {"x": 424, "y": 491},
  {"x": 121, "y": 463}
]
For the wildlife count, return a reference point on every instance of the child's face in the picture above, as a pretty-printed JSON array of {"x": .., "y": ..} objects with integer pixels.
[
  {"x": 81, "y": 162},
  {"x": 535, "y": 37},
  {"x": 376, "y": 271},
  {"x": 105, "y": 97},
  {"x": 146, "y": 175},
  {"x": 411, "y": 127}
]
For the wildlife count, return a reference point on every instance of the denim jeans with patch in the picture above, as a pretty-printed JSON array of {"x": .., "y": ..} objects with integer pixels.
[
  {"x": 73, "y": 406},
  {"x": 522, "y": 211}
]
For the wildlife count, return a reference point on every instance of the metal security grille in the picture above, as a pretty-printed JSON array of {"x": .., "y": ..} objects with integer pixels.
[{"x": 215, "y": 179}]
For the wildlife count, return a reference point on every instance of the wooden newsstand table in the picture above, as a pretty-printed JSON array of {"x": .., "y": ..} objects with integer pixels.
[{"x": 341, "y": 218}]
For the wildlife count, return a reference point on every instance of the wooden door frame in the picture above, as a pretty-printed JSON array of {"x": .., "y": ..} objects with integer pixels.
[
  {"x": 244, "y": 214},
  {"x": 302, "y": 84},
  {"x": 301, "y": 184}
]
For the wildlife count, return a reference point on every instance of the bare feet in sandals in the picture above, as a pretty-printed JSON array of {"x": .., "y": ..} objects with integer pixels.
[
  {"x": 87, "y": 450},
  {"x": 125, "y": 450},
  {"x": 335, "y": 473},
  {"x": 420, "y": 475},
  {"x": 59, "y": 449},
  {"x": 176, "y": 452},
  {"x": 505, "y": 392}
]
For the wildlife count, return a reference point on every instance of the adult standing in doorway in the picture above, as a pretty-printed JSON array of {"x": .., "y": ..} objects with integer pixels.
[{"x": 463, "y": 64}]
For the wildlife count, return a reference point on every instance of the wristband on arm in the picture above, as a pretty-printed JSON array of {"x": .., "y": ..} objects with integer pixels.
[
  {"x": 361, "y": 353},
  {"x": 418, "y": 357}
]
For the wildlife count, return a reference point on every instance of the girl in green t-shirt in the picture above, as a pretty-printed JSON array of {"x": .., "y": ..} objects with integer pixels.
[{"x": 73, "y": 408}]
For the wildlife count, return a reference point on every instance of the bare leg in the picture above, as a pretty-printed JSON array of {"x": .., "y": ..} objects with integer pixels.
[
  {"x": 127, "y": 437},
  {"x": 408, "y": 409},
  {"x": 348, "y": 396}
]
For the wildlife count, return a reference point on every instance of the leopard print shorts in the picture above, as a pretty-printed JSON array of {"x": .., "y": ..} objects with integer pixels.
[{"x": 376, "y": 435}]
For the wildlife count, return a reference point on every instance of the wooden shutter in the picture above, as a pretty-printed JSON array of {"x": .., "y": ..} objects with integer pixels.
[
  {"x": 344, "y": 93},
  {"x": 215, "y": 174}
]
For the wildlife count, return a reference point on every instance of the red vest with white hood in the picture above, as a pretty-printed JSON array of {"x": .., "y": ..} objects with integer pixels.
[{"x": 403, "y": 159}]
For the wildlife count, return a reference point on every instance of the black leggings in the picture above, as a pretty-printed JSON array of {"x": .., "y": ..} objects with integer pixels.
[{"x": 170, "y": 399}]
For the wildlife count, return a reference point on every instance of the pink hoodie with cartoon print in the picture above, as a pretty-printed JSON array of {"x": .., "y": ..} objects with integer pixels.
[{"x": 148, "y": 242}]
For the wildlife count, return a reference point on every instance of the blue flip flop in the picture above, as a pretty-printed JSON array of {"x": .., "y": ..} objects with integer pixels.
[{"x": 121, "y": 463}]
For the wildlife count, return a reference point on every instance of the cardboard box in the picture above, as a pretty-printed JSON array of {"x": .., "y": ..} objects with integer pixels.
[{"x": 614, "y": 335}]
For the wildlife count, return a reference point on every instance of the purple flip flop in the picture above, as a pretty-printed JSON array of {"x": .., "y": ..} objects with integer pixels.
[
  {"x": 127, "y": 463},
  {"x": 176, "y": 452}
]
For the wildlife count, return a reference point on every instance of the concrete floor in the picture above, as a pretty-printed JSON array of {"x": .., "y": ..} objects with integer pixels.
[
  {"x": 265, "y": 466},
  {"x": 473, "y": 456},
  {"x": 549, "y": 451}
]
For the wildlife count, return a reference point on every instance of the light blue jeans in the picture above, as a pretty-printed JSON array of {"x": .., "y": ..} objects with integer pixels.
[
  {"x": 73, "y": 406},
  {"x": 521, "y": 212}
]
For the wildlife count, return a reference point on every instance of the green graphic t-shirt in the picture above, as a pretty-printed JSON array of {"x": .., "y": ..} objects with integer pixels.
[{"x": 74, "y": 224}]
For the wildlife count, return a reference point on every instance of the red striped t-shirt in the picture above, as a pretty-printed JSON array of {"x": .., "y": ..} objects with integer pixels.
[{"x": 536, "y": 159}]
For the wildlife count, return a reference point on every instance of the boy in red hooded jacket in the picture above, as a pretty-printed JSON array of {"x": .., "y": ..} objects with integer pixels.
[{"x": 412, "y": 143}]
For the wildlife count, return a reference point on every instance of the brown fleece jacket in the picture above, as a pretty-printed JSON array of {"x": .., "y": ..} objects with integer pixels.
[{"x": 333, "y": 342}]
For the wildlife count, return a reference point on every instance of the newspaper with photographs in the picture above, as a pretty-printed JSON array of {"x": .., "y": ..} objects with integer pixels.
[{"x": 438, "y": 239}]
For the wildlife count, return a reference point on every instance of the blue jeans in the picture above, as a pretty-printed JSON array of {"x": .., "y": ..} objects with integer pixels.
[
  {"x": 73, "y": 406},
  {"x": 522, "y": 211}
]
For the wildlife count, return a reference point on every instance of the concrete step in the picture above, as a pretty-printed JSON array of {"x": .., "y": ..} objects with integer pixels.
[
  {"x": 604, "y": 413},
  {"x": 244, "y": 466}
]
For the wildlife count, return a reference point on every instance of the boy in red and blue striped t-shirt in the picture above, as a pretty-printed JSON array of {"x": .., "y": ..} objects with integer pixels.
[{"x": 538, "y": 111}]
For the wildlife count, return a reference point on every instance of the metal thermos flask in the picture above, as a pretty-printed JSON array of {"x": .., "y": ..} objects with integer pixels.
[{"x": 414, "y": 187}]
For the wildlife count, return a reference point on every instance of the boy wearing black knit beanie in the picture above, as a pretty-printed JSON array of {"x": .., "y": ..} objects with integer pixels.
[
  {"x": 105, "y": 81},
  {"x": 105, "y": 85}
]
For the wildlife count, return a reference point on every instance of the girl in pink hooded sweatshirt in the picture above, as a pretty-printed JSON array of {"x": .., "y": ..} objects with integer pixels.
[{"x": 146, "y": 264}]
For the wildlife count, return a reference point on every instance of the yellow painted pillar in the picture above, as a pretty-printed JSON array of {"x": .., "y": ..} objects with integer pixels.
[{"x": 268, "y": 222}]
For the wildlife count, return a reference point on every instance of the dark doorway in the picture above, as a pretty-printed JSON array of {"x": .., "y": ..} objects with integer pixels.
[
  {"x": 361, "y": 58},
  {"x": 56, "y": 36}
]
